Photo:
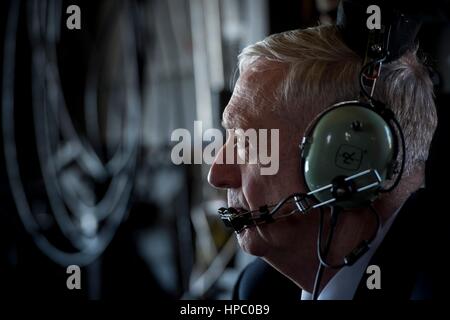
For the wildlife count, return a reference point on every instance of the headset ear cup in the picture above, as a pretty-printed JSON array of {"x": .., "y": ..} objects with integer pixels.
[{"x": 347, "y": 139}]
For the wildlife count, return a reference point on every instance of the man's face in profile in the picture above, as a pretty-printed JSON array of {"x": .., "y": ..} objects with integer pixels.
[{"x": 252, "y": 106}]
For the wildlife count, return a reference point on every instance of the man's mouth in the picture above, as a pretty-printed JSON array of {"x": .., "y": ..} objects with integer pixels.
[{"x": 241, "y": 210}]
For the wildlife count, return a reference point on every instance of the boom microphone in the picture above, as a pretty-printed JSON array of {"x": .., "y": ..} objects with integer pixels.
[
  {"x": 239, "y": 221},
  {"x": 339, "y": 190}
]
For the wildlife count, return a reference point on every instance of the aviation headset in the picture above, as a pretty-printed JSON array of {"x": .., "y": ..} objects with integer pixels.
[{"x": 358, "y": 138}]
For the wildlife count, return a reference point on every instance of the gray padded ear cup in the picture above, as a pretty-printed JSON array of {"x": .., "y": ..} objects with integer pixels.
[{"x": 345, "y": 141}]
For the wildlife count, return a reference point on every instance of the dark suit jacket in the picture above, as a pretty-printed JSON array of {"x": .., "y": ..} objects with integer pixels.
[{"x": 409, "y": 258}]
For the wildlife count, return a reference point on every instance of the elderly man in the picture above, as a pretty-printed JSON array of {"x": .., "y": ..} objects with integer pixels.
[{"x": 285, "y": 82}]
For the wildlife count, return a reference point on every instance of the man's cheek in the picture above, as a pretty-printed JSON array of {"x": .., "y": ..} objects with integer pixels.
[{"x": 259, "y": 190}]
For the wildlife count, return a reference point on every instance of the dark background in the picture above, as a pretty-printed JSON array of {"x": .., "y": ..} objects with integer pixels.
[{"x": 124, "y": 270}]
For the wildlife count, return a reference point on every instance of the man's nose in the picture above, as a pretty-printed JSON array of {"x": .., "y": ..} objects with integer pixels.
[{"x": 222, "y": 175}]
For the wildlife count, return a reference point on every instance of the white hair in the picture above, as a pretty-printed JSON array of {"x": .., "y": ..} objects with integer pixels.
[{"x": 321, "y": 70}]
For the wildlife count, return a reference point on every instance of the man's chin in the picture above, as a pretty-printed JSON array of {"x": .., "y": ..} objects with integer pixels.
[{"x": 251, "y": 242}]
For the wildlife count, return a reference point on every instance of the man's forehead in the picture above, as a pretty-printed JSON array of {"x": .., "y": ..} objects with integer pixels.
[
  {"x": 262, "y": 74},
  {"x": 253, "y": 96}
]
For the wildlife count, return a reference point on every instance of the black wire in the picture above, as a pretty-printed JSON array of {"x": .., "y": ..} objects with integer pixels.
[
  {"x": 322, "y": 257},
  {"x": 320, "y": 269},
  {"x": 317, "y": 281},
  {"x": 402, "y": 166},
  {"x": 374, "y": 63},
  {"x": 361, "y": 80},
  {"x": 319, "y": 274}
]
